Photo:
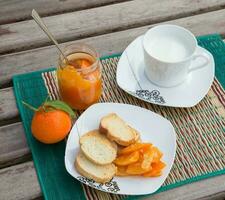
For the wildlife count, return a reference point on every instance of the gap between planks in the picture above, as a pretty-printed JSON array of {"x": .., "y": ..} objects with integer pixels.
[{"x": 101, "y": 20}]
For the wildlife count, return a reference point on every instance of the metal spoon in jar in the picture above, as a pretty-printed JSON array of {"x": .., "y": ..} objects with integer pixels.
[{"x": 42, "y": 25}]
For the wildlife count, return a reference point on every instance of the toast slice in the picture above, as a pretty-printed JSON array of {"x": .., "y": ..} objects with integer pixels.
[
  {"x": 137, "y": 139},
  {"x": 99, "y": 173},
  {"x": 98, "y": 148},
  {"x": 117, "y": 130}
]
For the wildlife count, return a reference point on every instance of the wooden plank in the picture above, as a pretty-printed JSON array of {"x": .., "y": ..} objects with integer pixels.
[
  {"x": 19, "y": 182},
  {"x": 76, "y": 25},
  {"x": 14, "y": 10},
  {"x": 106, "y": 44},
  {"x": 13, "y": 145},
  {"x": 8, "y": 109}
]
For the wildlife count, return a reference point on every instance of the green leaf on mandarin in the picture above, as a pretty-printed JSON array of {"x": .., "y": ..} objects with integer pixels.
[{"x": 60, "y": 105}]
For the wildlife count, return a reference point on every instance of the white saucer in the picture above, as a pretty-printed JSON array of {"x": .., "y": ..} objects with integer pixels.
[
  {"x": 156, "y": 130},
  {"x": 132, "y": 79}
]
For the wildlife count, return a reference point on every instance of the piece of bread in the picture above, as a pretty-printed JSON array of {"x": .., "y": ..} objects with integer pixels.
[
  {"x": 117, "y": 130},
  {"x": 99, "y": 173},
  {"x": 137, "y": 139},
  {"x": 98, "y": 148}
]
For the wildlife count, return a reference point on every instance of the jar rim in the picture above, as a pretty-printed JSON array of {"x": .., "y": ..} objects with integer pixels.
[{"x": 94, "y": 54}]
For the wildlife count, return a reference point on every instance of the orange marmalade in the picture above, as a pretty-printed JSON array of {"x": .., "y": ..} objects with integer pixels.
[{"x": 79, "y": 80}]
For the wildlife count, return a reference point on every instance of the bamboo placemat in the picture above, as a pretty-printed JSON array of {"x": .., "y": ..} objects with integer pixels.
[{"x": 200, "y": 129}]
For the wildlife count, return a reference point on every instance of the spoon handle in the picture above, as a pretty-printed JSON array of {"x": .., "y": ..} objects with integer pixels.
[{"x": 42, "y": 25}]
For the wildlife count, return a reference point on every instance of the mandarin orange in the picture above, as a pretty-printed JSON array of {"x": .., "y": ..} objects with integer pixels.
[
  {"x": 50, "y": 127},
  {"x": 52, "y": 121}
]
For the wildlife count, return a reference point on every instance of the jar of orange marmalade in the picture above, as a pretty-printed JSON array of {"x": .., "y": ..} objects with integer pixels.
[{"x": 79, "y": 78}]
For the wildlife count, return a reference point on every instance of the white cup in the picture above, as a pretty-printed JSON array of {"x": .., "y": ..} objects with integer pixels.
[{"x": 168, "y": 54}]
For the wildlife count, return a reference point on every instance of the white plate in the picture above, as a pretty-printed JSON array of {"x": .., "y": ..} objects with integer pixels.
[
  {"x": 132, "y": 79},
  {"x": 153, "y": 128}
]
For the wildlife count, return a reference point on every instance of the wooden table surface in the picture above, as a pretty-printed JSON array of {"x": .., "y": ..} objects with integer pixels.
[{"x": 109, "y": 26}]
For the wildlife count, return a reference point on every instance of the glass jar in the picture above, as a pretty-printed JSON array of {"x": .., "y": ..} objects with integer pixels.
[{"x": 79, "y": 78}]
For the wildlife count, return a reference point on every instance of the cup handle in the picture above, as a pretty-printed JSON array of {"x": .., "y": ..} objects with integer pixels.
[{"x": 204, "y": 56}]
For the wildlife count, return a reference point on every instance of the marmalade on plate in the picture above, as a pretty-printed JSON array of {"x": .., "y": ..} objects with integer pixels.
[{"x": 79, "y": 81}]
